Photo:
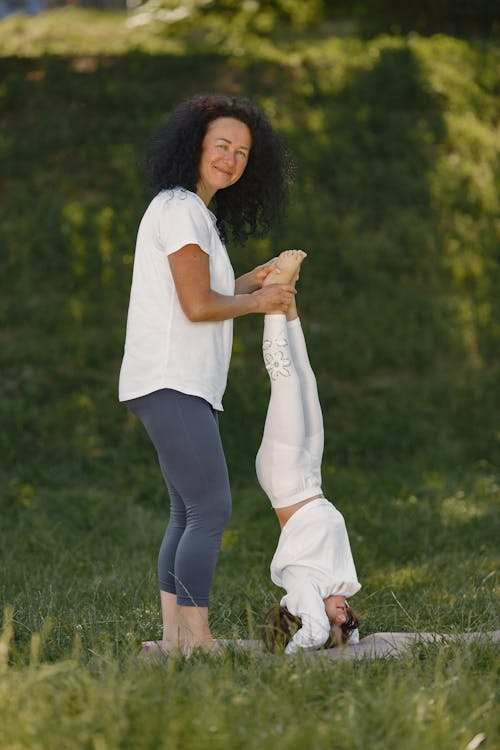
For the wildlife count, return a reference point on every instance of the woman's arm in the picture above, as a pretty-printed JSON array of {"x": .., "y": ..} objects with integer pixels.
[{"x": 191, "y": 272}]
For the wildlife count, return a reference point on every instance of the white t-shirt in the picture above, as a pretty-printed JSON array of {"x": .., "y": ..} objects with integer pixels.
[
  {"x": 313, "y": 560},
  {"x": 163, "y": 348}
]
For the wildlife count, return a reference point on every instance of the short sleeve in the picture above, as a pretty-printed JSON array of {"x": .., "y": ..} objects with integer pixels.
[{"x": 183, "y": 221}]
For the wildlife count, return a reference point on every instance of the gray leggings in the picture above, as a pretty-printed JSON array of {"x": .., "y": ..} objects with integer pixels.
[{"x": 185, "y": 432}]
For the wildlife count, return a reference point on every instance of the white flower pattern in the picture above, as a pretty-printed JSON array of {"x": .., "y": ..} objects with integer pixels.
[{"x": 275, "y": 357}]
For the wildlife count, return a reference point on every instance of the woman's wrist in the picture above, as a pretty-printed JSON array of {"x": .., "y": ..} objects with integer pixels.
[
  {"x": 246, "y": 284},
  {"x": 250, "y": 302}
]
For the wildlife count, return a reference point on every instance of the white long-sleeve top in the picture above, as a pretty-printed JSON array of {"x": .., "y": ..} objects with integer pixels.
[{"x": 313, "y": 560}]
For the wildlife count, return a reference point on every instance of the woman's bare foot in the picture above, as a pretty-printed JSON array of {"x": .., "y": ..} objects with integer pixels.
[
  {"x": 153, "y": 651},
  {"x": 289, "y": 262},
  {"x": 210, "y": 645}
]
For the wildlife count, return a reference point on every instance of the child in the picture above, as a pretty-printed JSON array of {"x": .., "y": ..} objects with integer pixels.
[{"x": 313, "y": 560}]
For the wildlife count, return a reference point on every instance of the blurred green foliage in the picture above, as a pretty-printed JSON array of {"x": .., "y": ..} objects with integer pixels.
[
  {"x": 395, "y": 198},
  {"x": 455, "y": 17}
]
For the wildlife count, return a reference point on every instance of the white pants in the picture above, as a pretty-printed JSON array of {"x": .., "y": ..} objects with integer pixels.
[{"x": 288, "y": 462}]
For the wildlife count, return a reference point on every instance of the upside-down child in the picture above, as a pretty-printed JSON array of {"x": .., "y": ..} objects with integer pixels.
[{"x": 313, "y": 560}]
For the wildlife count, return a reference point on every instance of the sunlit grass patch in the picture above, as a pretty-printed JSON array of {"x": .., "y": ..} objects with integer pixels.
[
  {"x": 460, "y": 509},
  {"x": 445, "y": 694},
  {"x": 78, "y": 32}
]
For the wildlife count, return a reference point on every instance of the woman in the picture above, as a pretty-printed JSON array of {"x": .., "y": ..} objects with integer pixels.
[
  {"x": 313, "y": 560},
  {"x": 179, "y": 328}
]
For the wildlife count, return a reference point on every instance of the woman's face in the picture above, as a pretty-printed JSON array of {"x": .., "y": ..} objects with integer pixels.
[
  {"x": 224, "y": 155},
  {"x": 336, "y": 609}
]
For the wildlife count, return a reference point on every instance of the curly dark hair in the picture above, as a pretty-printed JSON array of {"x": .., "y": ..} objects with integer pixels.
[
  {"x": 279, "y": 626},
  {"x": 251, "y": 205}
]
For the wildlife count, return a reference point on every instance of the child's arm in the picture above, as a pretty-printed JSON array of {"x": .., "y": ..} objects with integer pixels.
[{"x": 305, "y": 602}]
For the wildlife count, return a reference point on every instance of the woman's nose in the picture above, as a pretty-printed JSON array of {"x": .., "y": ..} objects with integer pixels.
[{"x": 230, "y": 157}]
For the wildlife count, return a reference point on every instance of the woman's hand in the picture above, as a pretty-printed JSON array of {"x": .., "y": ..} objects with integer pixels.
[
  {"x": 254, "y": 279},
  {"x": 262, "y": 272},
  {"x": 274, "y": 298}
]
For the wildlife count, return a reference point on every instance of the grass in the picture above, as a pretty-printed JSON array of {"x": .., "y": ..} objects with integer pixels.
[
  {"x": 78, "y": 568},
  {"x": 246, "y": 701},
  {"x": 396, "y": 200}
]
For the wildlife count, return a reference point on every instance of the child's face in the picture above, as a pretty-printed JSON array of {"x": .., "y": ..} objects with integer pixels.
[{"x": 336, "y": 609}]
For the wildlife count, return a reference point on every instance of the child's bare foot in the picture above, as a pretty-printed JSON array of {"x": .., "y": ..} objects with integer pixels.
[
  {"x": 292, "y": 313},
  {"x": 289, "y": 262}
]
